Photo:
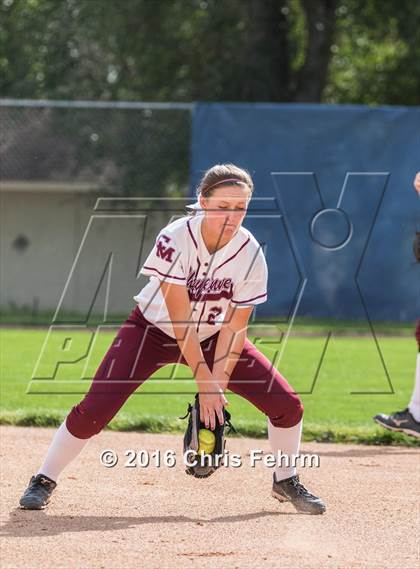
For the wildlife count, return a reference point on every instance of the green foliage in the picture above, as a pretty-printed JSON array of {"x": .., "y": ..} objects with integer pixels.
[
  {"x": 376, "y": 53},
  {"x": 212, "y": 50}
]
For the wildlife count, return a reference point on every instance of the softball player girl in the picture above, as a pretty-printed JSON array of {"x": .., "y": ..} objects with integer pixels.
[{"x": 207, "y": 273}]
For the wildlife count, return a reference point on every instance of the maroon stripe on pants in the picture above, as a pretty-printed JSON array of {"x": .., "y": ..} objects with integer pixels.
[
  {"x": 418, "y": 333},
  {"x": 140, "y": 349}
]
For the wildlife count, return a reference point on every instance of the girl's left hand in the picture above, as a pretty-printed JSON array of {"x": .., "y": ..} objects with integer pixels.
[{"x": 212, "y": 401}]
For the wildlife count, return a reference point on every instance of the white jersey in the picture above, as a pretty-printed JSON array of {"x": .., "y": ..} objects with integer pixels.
[{"x": 235, "y": 274}]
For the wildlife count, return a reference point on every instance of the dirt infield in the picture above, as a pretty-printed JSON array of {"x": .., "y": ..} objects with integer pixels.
[{"x": 158, "y": 517}]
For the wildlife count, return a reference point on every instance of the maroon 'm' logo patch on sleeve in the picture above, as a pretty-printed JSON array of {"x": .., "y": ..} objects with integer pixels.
[{"x": 162, "y": 250}]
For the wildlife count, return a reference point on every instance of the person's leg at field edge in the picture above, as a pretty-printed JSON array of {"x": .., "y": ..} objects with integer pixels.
[
  {"x": 137, "y": 351},
  {"x": 408, "y": 420},
  {"x": 414, "y": 405}
]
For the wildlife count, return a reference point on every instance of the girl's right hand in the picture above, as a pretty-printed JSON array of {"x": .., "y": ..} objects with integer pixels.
[
  {"x": 212, "y": 400},
  {"x": 416, "y": 183}
]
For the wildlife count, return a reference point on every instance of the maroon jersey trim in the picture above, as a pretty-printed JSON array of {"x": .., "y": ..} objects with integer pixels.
[
  {"x": 233, "y": 256},
  {"x": 249, "y": 299},
  {"x": 201, "y": 316},
  {"x": 164, "y": 274},
  {"x": 191, "y": 233}
]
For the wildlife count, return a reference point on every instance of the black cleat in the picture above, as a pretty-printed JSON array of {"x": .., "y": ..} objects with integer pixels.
[
  {"x": 402, "y": 421},
  {"x": 291, "y": 490},
  {"x": 38, "y": 493}
]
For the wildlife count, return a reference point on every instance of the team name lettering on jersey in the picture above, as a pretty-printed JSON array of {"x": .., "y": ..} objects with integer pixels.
[
  {"x": 162, "y": 251},
  {"x": 208, "y": 288}
]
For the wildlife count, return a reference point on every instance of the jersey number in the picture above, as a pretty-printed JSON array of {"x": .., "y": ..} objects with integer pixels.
[{"x": 213, "y": 314}]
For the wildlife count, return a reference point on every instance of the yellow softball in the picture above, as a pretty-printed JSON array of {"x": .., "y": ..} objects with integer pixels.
[{"x": 206, "y": 441}]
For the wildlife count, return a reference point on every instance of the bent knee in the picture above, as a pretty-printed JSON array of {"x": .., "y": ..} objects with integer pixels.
[
  {"x": 83, "y": 423},
  {"x": 290, "y": 413}
]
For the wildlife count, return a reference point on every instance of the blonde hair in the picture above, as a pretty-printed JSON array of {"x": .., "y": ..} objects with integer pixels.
[{"x": 222, "y": 174}]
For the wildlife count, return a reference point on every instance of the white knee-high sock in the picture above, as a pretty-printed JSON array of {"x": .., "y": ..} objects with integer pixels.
[
  {"x": 286, "y": 440},
  {"x": 63, "y": 449},
  {"x": 414, "y": 406}
]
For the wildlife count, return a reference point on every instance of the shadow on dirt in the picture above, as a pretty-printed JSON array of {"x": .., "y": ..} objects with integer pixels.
[{"x": 25, "y": 523}]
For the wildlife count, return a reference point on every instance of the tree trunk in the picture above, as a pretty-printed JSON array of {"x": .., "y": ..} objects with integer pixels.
[
  {"x": 320, "y": 19},
  {"x": 267, "y": 54}
]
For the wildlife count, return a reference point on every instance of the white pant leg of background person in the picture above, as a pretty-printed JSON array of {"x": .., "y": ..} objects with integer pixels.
[{"x": 414, "y": 405}]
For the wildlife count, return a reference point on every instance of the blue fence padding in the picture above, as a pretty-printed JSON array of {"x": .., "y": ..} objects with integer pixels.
[{"x": 328, "y": 256}]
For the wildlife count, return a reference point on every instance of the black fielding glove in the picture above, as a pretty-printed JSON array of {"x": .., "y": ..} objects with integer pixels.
[{"x": 206, "y": 464}]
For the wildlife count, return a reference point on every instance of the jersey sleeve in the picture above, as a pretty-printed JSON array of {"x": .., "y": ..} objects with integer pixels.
[
  {"x": 252, "y": 290},
  {"x": 165, "y": 260}
]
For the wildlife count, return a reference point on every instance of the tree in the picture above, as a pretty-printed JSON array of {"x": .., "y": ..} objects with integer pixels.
[
  {"x": 359, "y": 51},
  {"x": 376, "y": 53}
]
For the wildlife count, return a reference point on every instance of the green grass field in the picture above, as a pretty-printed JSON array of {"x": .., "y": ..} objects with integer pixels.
[{"x": 351, "y": 385}]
